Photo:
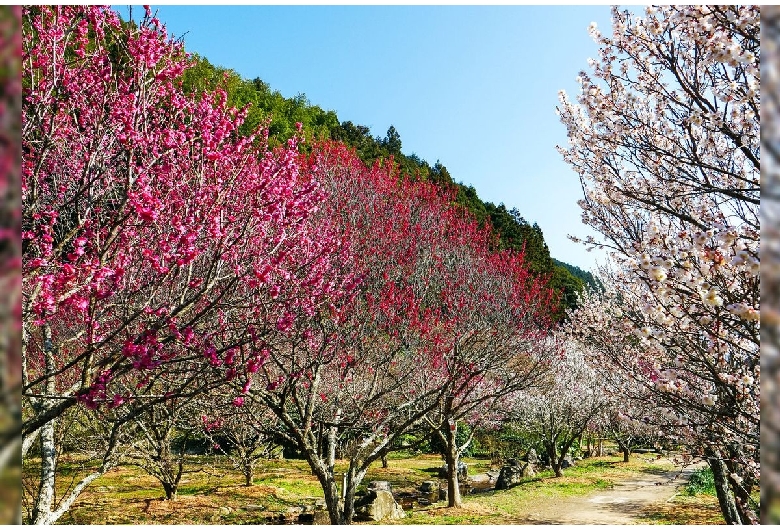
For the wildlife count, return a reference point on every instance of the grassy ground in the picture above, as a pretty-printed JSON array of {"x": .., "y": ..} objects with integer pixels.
[
  {"x": 213, "y": 494},
  {"x": 685, "y": 510},
  {"x": 588, "y": 476}
]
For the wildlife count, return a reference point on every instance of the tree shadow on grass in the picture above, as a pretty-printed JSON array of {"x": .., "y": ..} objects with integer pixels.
[
  {"x": 201, "y": 489},
  {"x": 651, "y": 470}
]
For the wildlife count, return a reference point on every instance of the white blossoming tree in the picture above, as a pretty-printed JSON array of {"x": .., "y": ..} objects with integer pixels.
[
  {"x": 558, "y": 411},
  {"x": 665, "y": 139}
]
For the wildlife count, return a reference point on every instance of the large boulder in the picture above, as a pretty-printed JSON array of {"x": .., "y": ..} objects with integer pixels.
[
  {"x": 512, "y": 473},
  {"x": 430, "y": 491},
  {"x": 531, "y": 457},
  {"x": 378, "y": 505},
  {"x": 429, "y": 486},
  {"x": 568, "y": 461}
]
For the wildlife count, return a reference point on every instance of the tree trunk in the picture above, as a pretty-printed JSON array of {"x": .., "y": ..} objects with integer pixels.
[
  {"x": 451, "y": 456},
  {"x": 728, "y": 506},
  {"x": 552, "y": 455},
  {"x": 332, "y": 440},
  {"x": 45, "y": 499},
  {"x": 741, "y": 493},
  {"x": 384, "y": 461},
  {"x": 327, "y": 481},
  {"x": 171, "y": 490},
  {"x": 354, "y": 478},
  {"x": 249, "y": 474},
  {"x": 332, "y": 497},
  {"x": 625, "y": 449},
  {"x": 319, "y": 441},
  {"x": 348, "y": 496}
]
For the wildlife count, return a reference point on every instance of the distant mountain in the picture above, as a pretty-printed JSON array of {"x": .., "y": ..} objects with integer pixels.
[{"x": 587, "y": 278}]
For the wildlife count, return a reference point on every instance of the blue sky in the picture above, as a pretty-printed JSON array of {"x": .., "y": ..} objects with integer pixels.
[{"x": 474, "y": 87}]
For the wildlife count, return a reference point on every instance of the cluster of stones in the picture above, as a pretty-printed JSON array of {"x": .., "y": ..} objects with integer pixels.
[{"x": 514, "y": 471}]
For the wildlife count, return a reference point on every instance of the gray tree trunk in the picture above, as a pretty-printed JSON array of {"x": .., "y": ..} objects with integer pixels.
[
  {"x": 45, "y": 499},
  {"x": 451, "y": 456},
  {"x": 728, "y": 506}
]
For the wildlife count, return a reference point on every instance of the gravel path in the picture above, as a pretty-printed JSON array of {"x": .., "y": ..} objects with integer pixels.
[{"x": 622, "y": 504}]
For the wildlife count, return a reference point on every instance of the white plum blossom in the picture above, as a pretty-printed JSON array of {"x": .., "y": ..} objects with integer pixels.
[{"x": 664, "y": 137}]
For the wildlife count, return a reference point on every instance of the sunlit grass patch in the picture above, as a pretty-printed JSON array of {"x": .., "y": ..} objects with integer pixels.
[{"x": 685, "y": 510}]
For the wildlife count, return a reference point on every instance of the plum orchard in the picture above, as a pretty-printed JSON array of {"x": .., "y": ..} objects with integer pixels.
[
  {"x": 165, "y": 255},
  {"x": 438, "y": 326},
  {"x": 665, "y": 138}
]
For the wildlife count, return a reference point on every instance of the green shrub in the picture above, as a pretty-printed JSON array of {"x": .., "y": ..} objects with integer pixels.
[{"x": 702, "y": 481}]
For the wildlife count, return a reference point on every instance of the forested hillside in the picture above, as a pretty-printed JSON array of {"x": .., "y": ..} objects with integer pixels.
[{"x": 511, "y": 229}]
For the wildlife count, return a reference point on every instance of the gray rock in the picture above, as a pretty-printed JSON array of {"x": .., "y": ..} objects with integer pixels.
[
  {"x": 463, "y": 471},
  {"x": 428, "y": 486},
  {"x": 531, "y": 457},
  {"x": 321, "y": 516},
  {"x": 378, "y": 505},
  {"x": 254, "y": 507},
  {"x": 568, "y": 461},
  {"x": 513, "y": 474},
  {"x": 380, "y": 485}
]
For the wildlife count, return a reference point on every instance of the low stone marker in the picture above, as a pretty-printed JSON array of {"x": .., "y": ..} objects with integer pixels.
[{"x": 380, "y": 485}]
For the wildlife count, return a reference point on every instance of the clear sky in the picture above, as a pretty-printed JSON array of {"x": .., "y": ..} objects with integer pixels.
[{"x": 473, "y": 87}]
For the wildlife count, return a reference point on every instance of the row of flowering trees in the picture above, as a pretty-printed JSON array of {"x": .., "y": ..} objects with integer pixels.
[
  {"x": 665, "y": 139},
  {"x": 167, "y": 256}
]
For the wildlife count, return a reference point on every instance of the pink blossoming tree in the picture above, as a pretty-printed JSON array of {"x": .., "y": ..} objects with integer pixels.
[{"x": 151, "y": 230}]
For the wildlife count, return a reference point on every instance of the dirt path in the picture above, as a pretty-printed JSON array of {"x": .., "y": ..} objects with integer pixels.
[{"x": 622, "y": 504}]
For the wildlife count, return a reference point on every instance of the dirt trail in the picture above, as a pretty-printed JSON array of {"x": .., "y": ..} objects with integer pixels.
[{"x": 622, "y": 504}]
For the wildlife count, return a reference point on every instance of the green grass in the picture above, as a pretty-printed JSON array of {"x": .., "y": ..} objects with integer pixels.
[
  {"x": 213, "y": 492},
  {"x": 702, "y": 481},
  {"x": 701, "y": 508}
]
